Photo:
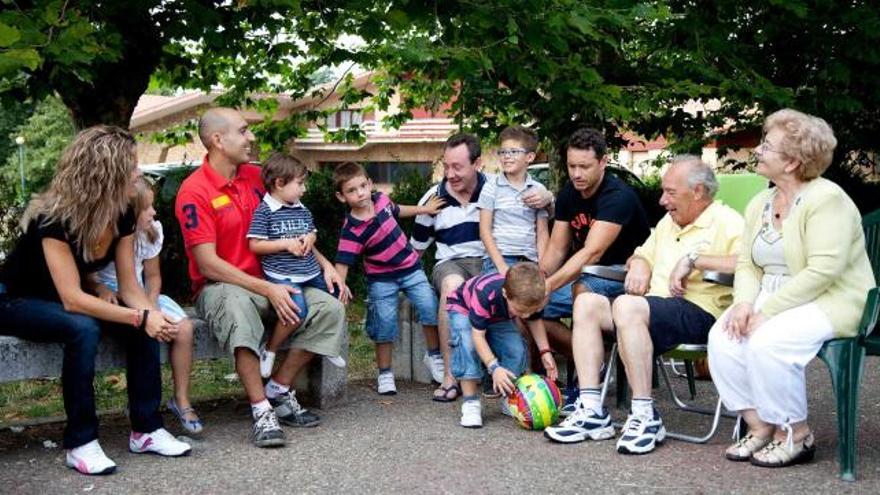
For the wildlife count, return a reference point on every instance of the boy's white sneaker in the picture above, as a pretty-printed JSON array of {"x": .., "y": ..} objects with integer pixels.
[
  {"x": 157, "y": 442},
  {"x": 337, "y": 361},
  {"x": 435, "y": 366},
  {"x": 267, "y": 361},
  {"x": 90, "y": 459},
  {"x": 471, "y": 414},
  {"x": 386, "y": 384}
]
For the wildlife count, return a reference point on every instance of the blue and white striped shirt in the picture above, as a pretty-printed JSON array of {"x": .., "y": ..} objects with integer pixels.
[
  {"x": 456, "y": 229},
  {"x": 274, "y": 220}
]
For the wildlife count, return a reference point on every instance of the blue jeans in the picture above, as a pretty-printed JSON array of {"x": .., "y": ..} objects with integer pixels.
[
  {"x": 561, "y": 302},
  {"x": 503, "y": 337},
  {"x": 382, "y": 308},
  {"x": 317, "y": 282},
  {"x": 45, "y": 321},
  {"x": 489, "y": 265}
]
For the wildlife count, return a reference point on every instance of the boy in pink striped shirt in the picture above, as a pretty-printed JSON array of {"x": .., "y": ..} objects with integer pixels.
[{"x": 391, "y": 265}]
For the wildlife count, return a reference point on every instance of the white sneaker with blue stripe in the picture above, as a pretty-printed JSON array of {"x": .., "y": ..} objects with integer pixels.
[
  {"x": 580, "y": 425},
  {"x": 641, "y": 435}
]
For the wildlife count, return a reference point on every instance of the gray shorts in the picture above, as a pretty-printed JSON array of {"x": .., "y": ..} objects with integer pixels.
[
  {"x": 237, "y": 318},
  {"x": 464, "y": 267}
]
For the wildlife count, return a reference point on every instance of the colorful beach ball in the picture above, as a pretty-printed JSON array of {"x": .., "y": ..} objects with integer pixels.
[{"x": 535, "y": 403}]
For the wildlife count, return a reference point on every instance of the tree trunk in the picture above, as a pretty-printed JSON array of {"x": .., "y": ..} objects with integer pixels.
[{"x": 116, "y": 86}]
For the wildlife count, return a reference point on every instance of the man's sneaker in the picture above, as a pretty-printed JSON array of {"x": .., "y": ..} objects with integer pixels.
[
  {"x": 471, "y": 414},
  {"x": 386, "y": 384},
  {"x": 267, "y": 361},
  {"x": 570, "y": 405},
  {"x": 157, "y": 442},
  {"x": 582, "y": 424},
  {"x": 641, "y": 434},
  {"x": 435, "y": 366},
  {"x": 267, "y": 432},
  {"x": 290, "y": 413},
  {"x": 90, "y": 459}
]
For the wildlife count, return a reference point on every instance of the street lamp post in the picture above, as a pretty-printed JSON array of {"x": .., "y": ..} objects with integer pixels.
[{"x": 20, "y": 142}]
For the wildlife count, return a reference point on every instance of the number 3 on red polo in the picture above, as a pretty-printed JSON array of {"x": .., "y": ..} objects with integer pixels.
[{"x": 192, "y": 220}]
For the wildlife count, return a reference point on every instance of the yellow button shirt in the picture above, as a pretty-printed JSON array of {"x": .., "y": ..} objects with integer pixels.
[{"x": 716, "y": 232}]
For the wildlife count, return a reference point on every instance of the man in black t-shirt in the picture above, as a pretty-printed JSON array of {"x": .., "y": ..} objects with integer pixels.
[{"x": 599, "y": 220}]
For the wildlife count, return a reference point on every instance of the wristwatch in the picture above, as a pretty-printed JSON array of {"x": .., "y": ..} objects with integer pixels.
[{"x": 692, "y": 258}]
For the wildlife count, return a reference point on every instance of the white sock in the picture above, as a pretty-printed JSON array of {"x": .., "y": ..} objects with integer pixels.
[
  {"x": 274, "y": 389},
  {"x": 643, "y": 407},
  {"x": 260, "y": 408},
  {"x": 590, "y": 399}
]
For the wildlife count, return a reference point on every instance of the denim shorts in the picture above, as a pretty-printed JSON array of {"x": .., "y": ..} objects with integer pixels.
[
  {"x": 561, "y": 302},
  {"x": 382, "y": 305},
  {"x": 317, "y": 282},
  {"x": 489, "y": 265},
  {"x": 504, "y": 339}
]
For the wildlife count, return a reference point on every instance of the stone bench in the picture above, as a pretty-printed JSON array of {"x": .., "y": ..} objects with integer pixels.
[{"x": 323, "y": 385}]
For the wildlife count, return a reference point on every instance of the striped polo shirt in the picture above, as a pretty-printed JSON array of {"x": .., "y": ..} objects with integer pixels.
[
  {"x": 456, "y": 229},
  {"x": 513, "y": 223},
  {"x": 481, "y": 299},
  {"x": 387, "y": 253},
  {"x": 275, "y": 220}
]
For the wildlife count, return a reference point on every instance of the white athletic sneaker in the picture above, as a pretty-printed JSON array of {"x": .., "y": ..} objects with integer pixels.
[
  {"x": 267, "y": 361},
  {"x": 471, "y": 414},
  {"x": 435, "y": 366},
  {"x": 157, "y": 442},
  {"x": 90, "y": 459},
  {"x": 386, "y": 384}
]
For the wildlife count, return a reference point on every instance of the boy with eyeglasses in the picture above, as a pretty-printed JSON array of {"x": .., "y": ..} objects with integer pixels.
[{"x": 510, "y": 230}]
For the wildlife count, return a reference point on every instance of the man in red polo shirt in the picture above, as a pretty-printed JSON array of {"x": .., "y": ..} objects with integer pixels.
[{"x": 214, "y": 207}]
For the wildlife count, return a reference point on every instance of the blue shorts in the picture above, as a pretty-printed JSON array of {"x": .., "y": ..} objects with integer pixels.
[
  {"x": 504, "y": 339},
  {"x": 489, "y": 265},
  {"x": 561, "y": 302},
  {"x": 298, "y": 298},
  {"x": 675, "y": 320},
  {"x": 382, "y": 305}
]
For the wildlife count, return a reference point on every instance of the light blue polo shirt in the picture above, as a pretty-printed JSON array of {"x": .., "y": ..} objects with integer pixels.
[{"x": 514, "y": 223}]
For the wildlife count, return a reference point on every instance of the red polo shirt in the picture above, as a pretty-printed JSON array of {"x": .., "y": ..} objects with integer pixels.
[{"x": 213, "y": 209}]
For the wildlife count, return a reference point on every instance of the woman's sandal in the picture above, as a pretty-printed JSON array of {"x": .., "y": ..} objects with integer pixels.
[
  {"x": 745, "y": 447},
  {"x": 776, "y": 454},
  {"x": 444, "y": 397},
  {"x": 192, "y": 426}
]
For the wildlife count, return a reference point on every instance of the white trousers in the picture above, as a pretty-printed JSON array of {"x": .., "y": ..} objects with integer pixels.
[{"x": 765, "y": 372}]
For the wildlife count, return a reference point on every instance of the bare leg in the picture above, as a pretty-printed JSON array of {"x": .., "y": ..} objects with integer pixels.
[
  {"x": 470, "y": 387},
  {"x": 757, "y": 427},
  {"x": 247, "y": 365},
  {"x": 384, "y": 352},
  {"x": 559, "y": 336},
  {"x": 432, "y": 340},
  {"x": 631, "y": 315},
  {"x": 293, "y": 364},
  {"x": 450, "y": 283},
  {"x": 591, "y": 315},
  {"x": 181, "y": 366},
  {"x": 279, "y": 335}
]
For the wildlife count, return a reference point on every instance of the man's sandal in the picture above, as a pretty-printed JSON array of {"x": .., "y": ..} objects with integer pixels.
[
  {"x": 777, "y": 454},
  {"x": 454, "y": 390},
  {"x": 192, "y": 426}
]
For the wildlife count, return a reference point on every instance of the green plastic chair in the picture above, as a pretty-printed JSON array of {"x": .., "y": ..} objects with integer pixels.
[
  {"x": 845, "y": 358},
  {"x": 736, "y": 190}
]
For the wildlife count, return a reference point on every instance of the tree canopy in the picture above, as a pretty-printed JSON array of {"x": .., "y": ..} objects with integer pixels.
[{"x": 556, "y": 64}]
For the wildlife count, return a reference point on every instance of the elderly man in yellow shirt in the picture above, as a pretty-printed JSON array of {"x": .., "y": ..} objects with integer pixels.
[{"x": 666, "y": 303}]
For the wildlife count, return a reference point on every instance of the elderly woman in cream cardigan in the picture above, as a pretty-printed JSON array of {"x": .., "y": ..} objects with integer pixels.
[{"x": 802, "y": 278}]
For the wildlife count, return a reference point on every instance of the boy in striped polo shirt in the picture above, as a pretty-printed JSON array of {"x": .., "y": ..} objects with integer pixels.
[
  {"x": 282, "y": 233},
  {"x": 390, "y": 262},
  {"x": 483, "y": 333}
]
